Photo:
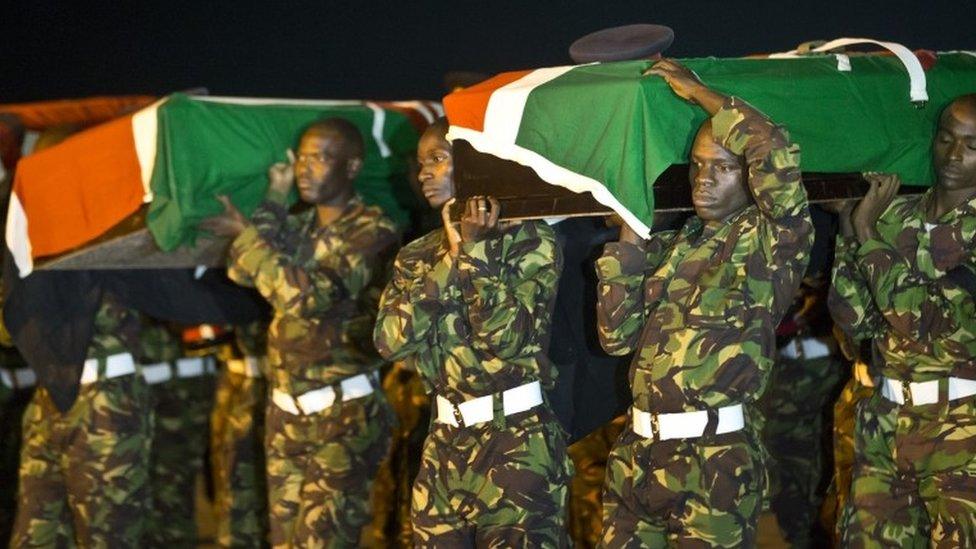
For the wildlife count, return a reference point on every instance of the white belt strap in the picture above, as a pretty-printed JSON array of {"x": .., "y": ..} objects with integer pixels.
[
  {"x": 19, "y": 378},
  {"x": 155, "y": 374},
  {"x": 249, "y": 366},
  {"x": 482, "y": 409},
  {"x": 686, "y": 424},
  {"x": 115, "y": 366},
  {"x": 925, "y": 392},
  {"x": 319, "y": 399},
  {"x": 918, "y": 88},
  {"x": 805, "y": 348},
  {"x": 194, "y": 366}
]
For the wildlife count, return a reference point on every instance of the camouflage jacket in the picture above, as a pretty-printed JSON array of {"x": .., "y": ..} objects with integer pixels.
[
  {"x": 323, "y": 284},
  {"x": 477, "y": 324},
  {"x": 157, "y": 343},
  {"x": 116, "y": 330},
  {"x": 912, "y": 291},
  {"x": 700, "y": 305}
]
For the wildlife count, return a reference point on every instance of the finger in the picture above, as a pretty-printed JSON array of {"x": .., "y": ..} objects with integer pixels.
[
  {"x": 291, "y": 156},
  {"x": 225, "y": 201},
  {"x": 446, "y": 210},
  {"x": 495, "y": 211},
  {"x": 482, "y": 211}
]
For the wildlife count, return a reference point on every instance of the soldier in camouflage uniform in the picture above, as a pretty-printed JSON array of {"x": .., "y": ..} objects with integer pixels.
[
  {"x": 700, "y": 307},
  {"x": 328, "y": 426},
  {"x": 906, "y": 277},
  {"x": 470, "y": 310},
  {"x": 236, "y": 444},
  {"x": 804, "y": 380},
  {"x": 182, "y": 394},
  {"x": 17, "y": 382},
  {"x": 84, "y": 474}
]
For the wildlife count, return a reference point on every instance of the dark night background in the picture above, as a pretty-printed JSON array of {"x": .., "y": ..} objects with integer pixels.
[{"x": 396, "y": 50}]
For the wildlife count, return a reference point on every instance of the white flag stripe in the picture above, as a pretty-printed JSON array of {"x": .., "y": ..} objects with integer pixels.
[
  {"x": 144, "y": 126},
  {"x": 503, "y": 115}
]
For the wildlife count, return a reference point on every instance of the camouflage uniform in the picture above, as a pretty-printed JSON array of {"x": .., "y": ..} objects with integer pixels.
[
  {"x": 912, "y": 291},
  {"x": 237, "y": 442},
  {"x": 17, "y": 382},
  {"x": 804, "y": 380},
  {"x": 179, "y": 442},
  {"x": 589, "y": 456},
  {"x": 84, "y": 474},
  {"x": 700, "y": 308},
  {"x": 323, "y": 284},
  {"x": 475, "y": 326}
]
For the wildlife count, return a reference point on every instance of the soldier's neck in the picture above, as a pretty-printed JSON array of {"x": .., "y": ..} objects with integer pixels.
[
  {"x": 332, "y": 210},
  {"x": 945, "y": 200}
]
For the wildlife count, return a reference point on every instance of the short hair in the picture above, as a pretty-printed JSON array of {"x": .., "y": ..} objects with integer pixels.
[
  {"x": 351, "y": 137},
  {"x": 438, "y": 127}
]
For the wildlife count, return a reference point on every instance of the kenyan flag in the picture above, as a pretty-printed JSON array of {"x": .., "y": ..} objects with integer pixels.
[{"x": 605, "y": 129}]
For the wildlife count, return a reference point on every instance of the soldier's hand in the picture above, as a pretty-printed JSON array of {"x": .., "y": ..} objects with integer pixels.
[
  {"x": 281, "y": 175},
  {"x": 629, "y": 236},
  {"x": 682, "y": 80},
  {"x": 480, "y": 218},
  {"x": 229, "y": 223},
  {"x": 453, "y": 236},
  {"x": 843, "y": 209},
  {"x": 882, "y": 190}
]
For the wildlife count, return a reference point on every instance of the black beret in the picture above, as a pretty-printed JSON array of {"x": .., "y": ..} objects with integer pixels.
[{"x": 622, "y": 43}]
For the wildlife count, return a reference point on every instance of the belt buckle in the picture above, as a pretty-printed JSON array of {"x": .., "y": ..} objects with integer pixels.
[
  {"x": 906, "y": 392},
  {"x": 655, "y": 427},
  {"x": 458, "y": 417}
]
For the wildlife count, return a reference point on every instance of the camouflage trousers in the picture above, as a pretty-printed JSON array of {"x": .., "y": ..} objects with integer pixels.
[
  {"x": 914, "y": 481},
  {"x": 237, "y": 459},
  {"x": 84, "y": 474},
  {"x": 702, "y": 492},
  {"x": 589, "y": 456},
  {"x": 393, "y": 488},
  {"x": 502, "y": 483},
  {"x": 13, "y": 402},
  {"x": 321, "y": 469},
  {"x": 796, "y": 403},
  {"x": 179, "y": 443}
]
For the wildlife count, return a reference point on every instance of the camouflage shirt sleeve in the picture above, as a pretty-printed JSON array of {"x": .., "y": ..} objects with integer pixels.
[
  {"x": 776, "y": 184},
  {"x": 312, "y": 287},
  {"x": 408, "y": 308},
  {"x": 622, "y": 303},
  {"x": 508, "y": 284},
  {"x": 851, "y": 303},
  {"x": 913, "y": 305}
]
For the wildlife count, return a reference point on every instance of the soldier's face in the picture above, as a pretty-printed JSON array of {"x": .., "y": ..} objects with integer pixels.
[
  {"x": 436, "y": 168},
  {"x": 323, "y": 167},
  {"x": 718, "y": 188},
  {"x": 954, "y": 147}
]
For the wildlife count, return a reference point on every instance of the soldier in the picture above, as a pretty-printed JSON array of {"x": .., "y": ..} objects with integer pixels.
[
  {"x": 17, "y": 382},
  {"x": 236, "y": 443},
  {"x": 804, "y": 380},
  {"x": 699, "y": 307},
  {"x": 469, "y": 308},
  {"x": 84, "y": 474},
  {"x": 328, "y": 426},
  {"x": 182, "y": 394},
  {"x": 906, "y": 277}
]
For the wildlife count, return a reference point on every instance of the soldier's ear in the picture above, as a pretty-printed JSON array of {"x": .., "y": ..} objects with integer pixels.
[{"x": 353, "y": 167}]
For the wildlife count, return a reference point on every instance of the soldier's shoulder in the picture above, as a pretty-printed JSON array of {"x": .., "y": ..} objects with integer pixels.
[
  {"x": 533, "y": 229},
  {"x": 423, "y": 248}
]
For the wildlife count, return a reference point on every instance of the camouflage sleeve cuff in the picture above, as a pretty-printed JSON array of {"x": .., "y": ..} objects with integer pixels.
[
  {"x": 620, "y": 259},
  {"x": 276, "y": 197}
]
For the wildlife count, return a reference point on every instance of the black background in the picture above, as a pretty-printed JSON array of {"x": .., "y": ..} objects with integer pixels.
[{"x": 396, "y": 50}]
